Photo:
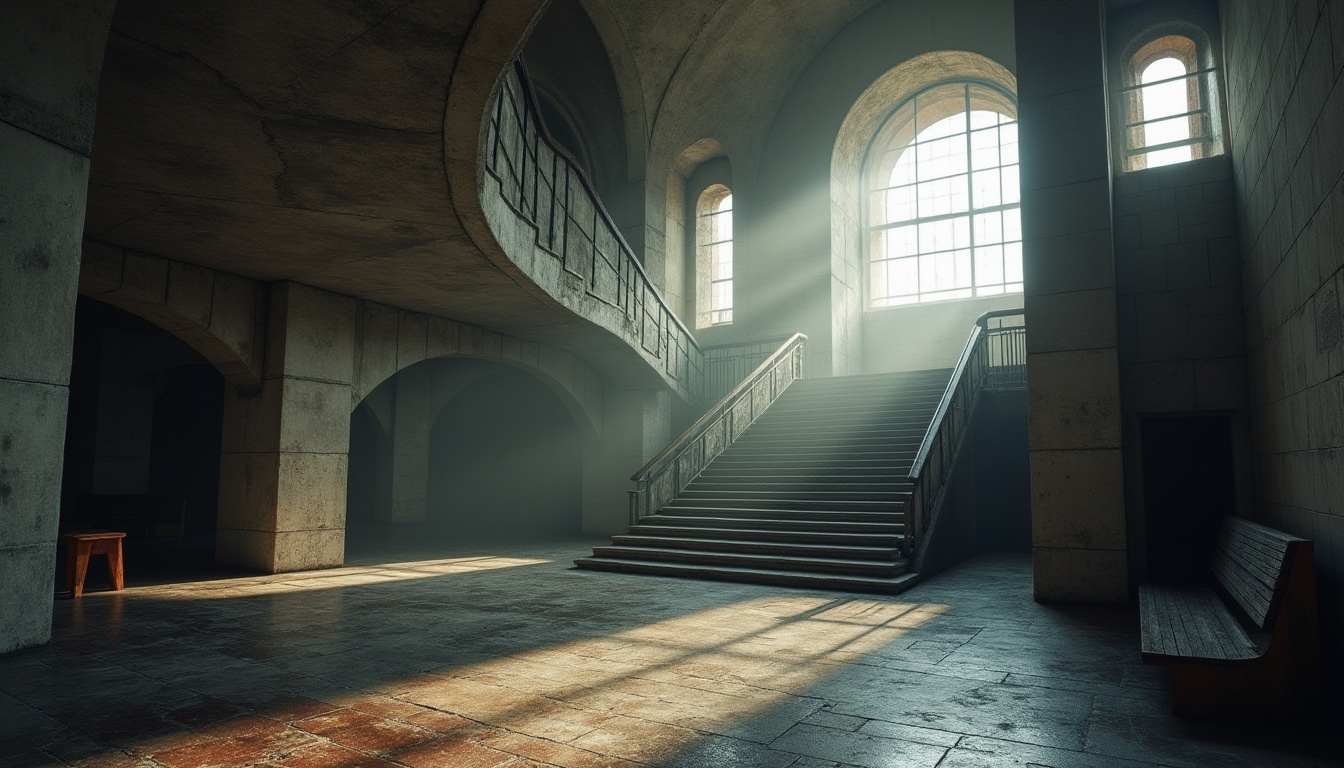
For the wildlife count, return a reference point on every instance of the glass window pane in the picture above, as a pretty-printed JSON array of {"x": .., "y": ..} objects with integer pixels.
[
  {"x": 723, "y": 295},
  {"x": 903, "y": 172},
  {"x": 1012, "y": 225},
  {"x": 943, "y": 196},
  {"x": 897, "y": 205},
  {"x": 905, "y": 277},
  {"x": 983, "y": 118},
  {"x": 984, "y": 149},
  {"x": 902, "y": 241},
  {"x": 985, "y": 188},
  {"x": 928, "y": 273},
  {"x": 1008, "y": 143},
  {"x": 988, "y": 228},
  {"x": 1012, "y": 263},
  {"x": 1011, "y": 193},
  {"x": 989, "y": 265},
  {"x": 961, "y": 263}
]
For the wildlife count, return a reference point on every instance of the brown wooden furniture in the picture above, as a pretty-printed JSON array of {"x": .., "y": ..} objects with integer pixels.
[
  {"x": 1252, "y": 645},
  {"x": 79, "y": 545}
]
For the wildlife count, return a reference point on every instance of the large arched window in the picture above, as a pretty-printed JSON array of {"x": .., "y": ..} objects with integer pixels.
[
  {"x": 944, "y": 220},
  {"x": 1167, "y": 103},
  {"x": 714, "y": 257}
]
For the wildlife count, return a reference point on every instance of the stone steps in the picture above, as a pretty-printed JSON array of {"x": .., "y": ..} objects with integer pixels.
[{"x": 812, "y": 494}]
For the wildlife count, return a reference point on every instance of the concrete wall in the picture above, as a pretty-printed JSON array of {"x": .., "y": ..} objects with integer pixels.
[
  {"x": 1077, "y": 477},
  {"x": 1286, "y": 112},
  {"x": 50, "y": 56},
  {"x": 918, "y": 337},
  {"x": 1182, "y": 343}
]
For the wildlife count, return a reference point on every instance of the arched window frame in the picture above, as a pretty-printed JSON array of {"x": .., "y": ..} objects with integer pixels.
[
  {"x": 1189, "y": 45},
  {"x": 896, "y": 136},
  {"x": 714, "y": 256}
]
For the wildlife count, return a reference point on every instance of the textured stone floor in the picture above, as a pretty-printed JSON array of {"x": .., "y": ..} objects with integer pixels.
[{"x": 511, "y": 657}]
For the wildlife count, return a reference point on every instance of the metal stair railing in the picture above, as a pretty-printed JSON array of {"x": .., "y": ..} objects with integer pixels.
[
  {"x": 668, "y": 473},
  {"x": 544, "y": 186},
  {"x": 994, "y": 357}
]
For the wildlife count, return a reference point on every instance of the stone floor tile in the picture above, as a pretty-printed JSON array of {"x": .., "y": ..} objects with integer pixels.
[
  {"x": 471, "y": 659},
  {"x": 550, "y": 752},
  {"x": 858, "y": 749},
  {"x": 453, "y": 753}
]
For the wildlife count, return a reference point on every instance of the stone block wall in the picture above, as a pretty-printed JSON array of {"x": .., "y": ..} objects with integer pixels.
[
  {"x": 1079, "y": 545},
  {"x": 1178, "y": 286},
  {"x": 1286, "y": 108}
]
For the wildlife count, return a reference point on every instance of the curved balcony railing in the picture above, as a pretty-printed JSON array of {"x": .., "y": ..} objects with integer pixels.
[
  {"x": 544, "y": 187},
  {"x": 668, "y": 473},
  {"x": 995, "y": 357}
]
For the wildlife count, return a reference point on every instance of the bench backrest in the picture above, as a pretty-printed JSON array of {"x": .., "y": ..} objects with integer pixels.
[{"x": 1251, "y": 562}]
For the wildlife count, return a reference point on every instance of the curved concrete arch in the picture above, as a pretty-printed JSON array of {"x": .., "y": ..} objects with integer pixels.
[
  {"x": 389, "y": 341},
  {"x": 221, "y": 316},
  {"x": 628, "y": 83}
]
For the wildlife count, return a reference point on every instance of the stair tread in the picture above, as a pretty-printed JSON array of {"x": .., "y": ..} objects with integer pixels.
[
  {"x": 834, "y": 561},
  {"x": 874, "y": 551},
  {"x": 890, "y": 584}
]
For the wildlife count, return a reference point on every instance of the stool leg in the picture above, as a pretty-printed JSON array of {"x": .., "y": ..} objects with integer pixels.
[
  {"x": 81, "y": 567},
  {"x": 114, "y": 565}
]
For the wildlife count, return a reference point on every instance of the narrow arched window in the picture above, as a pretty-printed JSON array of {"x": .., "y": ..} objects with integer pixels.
[
  {"x": 714, "y": 257},
  {"x": 944, "y": 220},
  {"x": 1167, "y": 104}
]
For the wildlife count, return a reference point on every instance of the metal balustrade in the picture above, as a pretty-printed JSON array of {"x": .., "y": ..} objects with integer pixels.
[
  {"x": 668, "y": 473},
  {"x": 544, "y": 187},
  {"x": 994, "y": 358},
  {"x": 726, "y": 365}
]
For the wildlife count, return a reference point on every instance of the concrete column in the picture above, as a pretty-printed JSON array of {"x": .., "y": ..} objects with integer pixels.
[
  {"x": 411, "y": 422},
  {"x": 50, "y": 57},
  {"x": 1077, "y": 479},
  {"x": 636, "y": 425},
  {"x": 285, "y": 451}
]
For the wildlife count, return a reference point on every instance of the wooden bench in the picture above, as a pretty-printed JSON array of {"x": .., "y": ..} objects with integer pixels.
[
  {"x": 1250, "y": 646},
  {"x": 80, "y": 545}
]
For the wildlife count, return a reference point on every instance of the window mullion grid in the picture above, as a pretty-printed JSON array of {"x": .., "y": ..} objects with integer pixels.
[{"x": 970, "y": 190}]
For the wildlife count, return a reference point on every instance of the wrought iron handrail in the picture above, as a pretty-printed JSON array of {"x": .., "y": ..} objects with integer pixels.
[
  {"x": 546, "y": 188},
  {"x": 987, "y": 349},
  {"x": 666, "y": 474}
]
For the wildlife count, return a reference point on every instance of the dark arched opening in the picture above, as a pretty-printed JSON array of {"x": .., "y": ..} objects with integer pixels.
[
  {"x": 505, "y": 463},
  {"x": 142, "y": 443}
]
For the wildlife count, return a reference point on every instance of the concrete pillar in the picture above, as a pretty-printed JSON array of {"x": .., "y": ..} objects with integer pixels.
[
  {"x": 285, "y": 451},
  {"x": 50, "y": 57},
  {"x": 411, "y": 422},
  {"x": 1077, "y": 479},
  {"x": 636, "y": 425}
]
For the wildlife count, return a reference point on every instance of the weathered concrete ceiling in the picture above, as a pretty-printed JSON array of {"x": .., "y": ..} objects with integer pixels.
[
  {"x": 300, "y": 140},
  {"x": 304, "y": 140}
]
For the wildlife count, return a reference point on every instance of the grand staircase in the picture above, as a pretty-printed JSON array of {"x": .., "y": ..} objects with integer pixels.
[{"x": 809, "y": 495}]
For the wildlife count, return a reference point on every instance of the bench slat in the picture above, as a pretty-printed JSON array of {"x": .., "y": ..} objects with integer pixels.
[
  {"x": 1191, "y": 623},
  {"x": 1249, "y": 563}
]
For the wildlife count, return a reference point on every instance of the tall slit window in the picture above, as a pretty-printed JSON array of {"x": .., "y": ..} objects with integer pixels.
[
  {"x": 1167, "y": 105},
  {"x": 944, "y": 217},
  {"x": 714, "y": 256}
]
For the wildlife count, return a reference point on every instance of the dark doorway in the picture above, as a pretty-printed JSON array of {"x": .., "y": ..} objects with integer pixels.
[
  {"x": 367, "y": 442},
  {"x": 505, "y": 463},
  {"x": 1188, "y": 486},
  {"x": 142, "y": 443}
]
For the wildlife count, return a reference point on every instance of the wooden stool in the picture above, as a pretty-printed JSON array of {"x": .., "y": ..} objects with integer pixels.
[{"x": 81, "y": 544}]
